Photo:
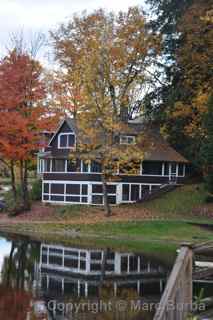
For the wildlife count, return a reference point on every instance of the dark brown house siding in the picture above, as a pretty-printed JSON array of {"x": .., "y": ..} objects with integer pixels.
[
  {"x": 55, "y": 152},
  {"x": 97, "y": 177}
]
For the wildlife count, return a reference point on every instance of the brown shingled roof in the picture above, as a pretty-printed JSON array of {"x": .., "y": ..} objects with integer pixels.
[
  {"x": 157, "y": 148},
  {"x": 160, "y": 150}
]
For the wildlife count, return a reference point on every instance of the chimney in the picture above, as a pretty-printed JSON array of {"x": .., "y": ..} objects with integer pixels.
[{"x": 124, "y": 114}]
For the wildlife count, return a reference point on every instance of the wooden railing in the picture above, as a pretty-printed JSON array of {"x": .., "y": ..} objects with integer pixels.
[{"x": 176, "y": 301}]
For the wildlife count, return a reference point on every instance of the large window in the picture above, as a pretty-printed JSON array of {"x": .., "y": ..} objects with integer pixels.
[
  {"x": 97, "y": 193},
  {"x": 152, "y": 168},
  {"x": 66, "y": 140},
  {"x": 130, "y": 192},
  {"x": 75, "y": 193}
]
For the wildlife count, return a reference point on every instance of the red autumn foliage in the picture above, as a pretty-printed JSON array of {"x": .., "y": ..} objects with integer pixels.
[{"x": 22, "y": 111}]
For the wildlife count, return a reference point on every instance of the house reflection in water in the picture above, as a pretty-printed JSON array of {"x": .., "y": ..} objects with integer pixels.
[{"x": 83, "y": 273}]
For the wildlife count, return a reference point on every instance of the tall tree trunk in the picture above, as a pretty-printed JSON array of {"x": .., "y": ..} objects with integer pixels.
[
  {"x": 13, "y": 180},
  {"x": 24, "y": 184},
  {"x": 105, "y": 196},
  {"x": 25, "y": 187}
]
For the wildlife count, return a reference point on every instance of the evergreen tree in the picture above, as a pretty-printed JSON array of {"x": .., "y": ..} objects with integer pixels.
[
  {"x": 186, "y": 29},
  {"x": 207, "y": 147}
]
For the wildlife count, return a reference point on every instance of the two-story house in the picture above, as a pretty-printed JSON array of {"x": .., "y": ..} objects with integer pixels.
[{"x": 67, "y": 181}]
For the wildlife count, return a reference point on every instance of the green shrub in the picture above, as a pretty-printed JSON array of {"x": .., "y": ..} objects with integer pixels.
[
  {"x": 209, "y": 199},
  {"x": 36, "y": 191},
  {"x": 13, "y": 207}
]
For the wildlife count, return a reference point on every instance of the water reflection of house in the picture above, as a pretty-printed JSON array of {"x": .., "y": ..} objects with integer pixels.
[{"x": 80, "y": 271}]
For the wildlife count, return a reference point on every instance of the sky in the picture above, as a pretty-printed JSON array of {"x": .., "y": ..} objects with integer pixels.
[
  {"x": 5, "y": 247},
  {"x": 33, "y": 16}
]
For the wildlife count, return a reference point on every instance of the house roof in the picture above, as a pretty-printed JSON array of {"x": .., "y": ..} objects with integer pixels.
[
  {"x": 157, "y": 148},
  {"x": 160, "y": 150}
]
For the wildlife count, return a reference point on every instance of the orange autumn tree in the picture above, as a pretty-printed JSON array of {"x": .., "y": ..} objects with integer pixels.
[
  {"x": 107, "y": 62},
  {"x": 22, "y": 115}
]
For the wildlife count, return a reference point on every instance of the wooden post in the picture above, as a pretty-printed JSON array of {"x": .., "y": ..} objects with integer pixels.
[{"x": 176, "y": 301}]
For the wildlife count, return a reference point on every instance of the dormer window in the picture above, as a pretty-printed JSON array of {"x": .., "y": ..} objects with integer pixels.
[
  {"x": 127, "y": 139},
  {"x": 66, "y": 140}
]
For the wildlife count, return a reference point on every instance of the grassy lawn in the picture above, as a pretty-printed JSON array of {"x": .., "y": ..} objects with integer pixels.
[
  {"x": 157, "y": 238},
  {"x": 178, "y": 204},
  {"x": 174, "y": 232},
  {"x": 180, "y": 201},
  {"x": 151, "y": 230}
]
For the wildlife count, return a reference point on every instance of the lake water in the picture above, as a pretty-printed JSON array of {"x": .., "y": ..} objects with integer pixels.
[{"x": 53, "y": 281}]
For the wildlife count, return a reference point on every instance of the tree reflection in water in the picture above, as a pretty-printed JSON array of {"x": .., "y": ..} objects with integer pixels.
[
  {"x": 17, "y": 274},
  {"x": 32, "y": 274}
]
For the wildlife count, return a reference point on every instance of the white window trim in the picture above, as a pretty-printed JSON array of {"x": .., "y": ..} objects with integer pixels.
[
  {"x": 65, "y": 183},
  {"x": 140, "y": 189},
  {"x": 64, "y": 195},
  {"x": 66, "y": 134},
  {"x": 127, "y": 137}
]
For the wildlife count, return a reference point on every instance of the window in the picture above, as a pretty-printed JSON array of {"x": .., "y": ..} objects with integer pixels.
[
  {"x": 111, "y": 188},
  {"x": 166, "y": 168},
  {"x": 97, "y": 188},
  {"x": 57, "y": 198},
  {"x": 77, "y": 193},
  {"x": 46, "y": 187},
  {"x": 73, "y": 199},
  {"x": 181, "y": 170},
  {"x": 125, "y": 193},
  {"x": 85, "y": 166},
  {"x": 95, "y": 166},
  {"x": 73, "y": 189},
  {"x": 58, "y": 165},
  {"x": 145, "y": 190},
  {"x": 65, "y": 192},
  {"x": 152, "y": 168},
  {"x": 66, "y": 140},
  {"x": 127, "y": 139},
  {"x": 130, "y": 192},
  {"x": 135, "y": 192},
  {"x": 97, "y": 193},
  {"x": 57, "y": 188},
  {"x": 97, "y": 199},
  {"x": 84, "y": 189},
  {"x": 47, "y": 165}
]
